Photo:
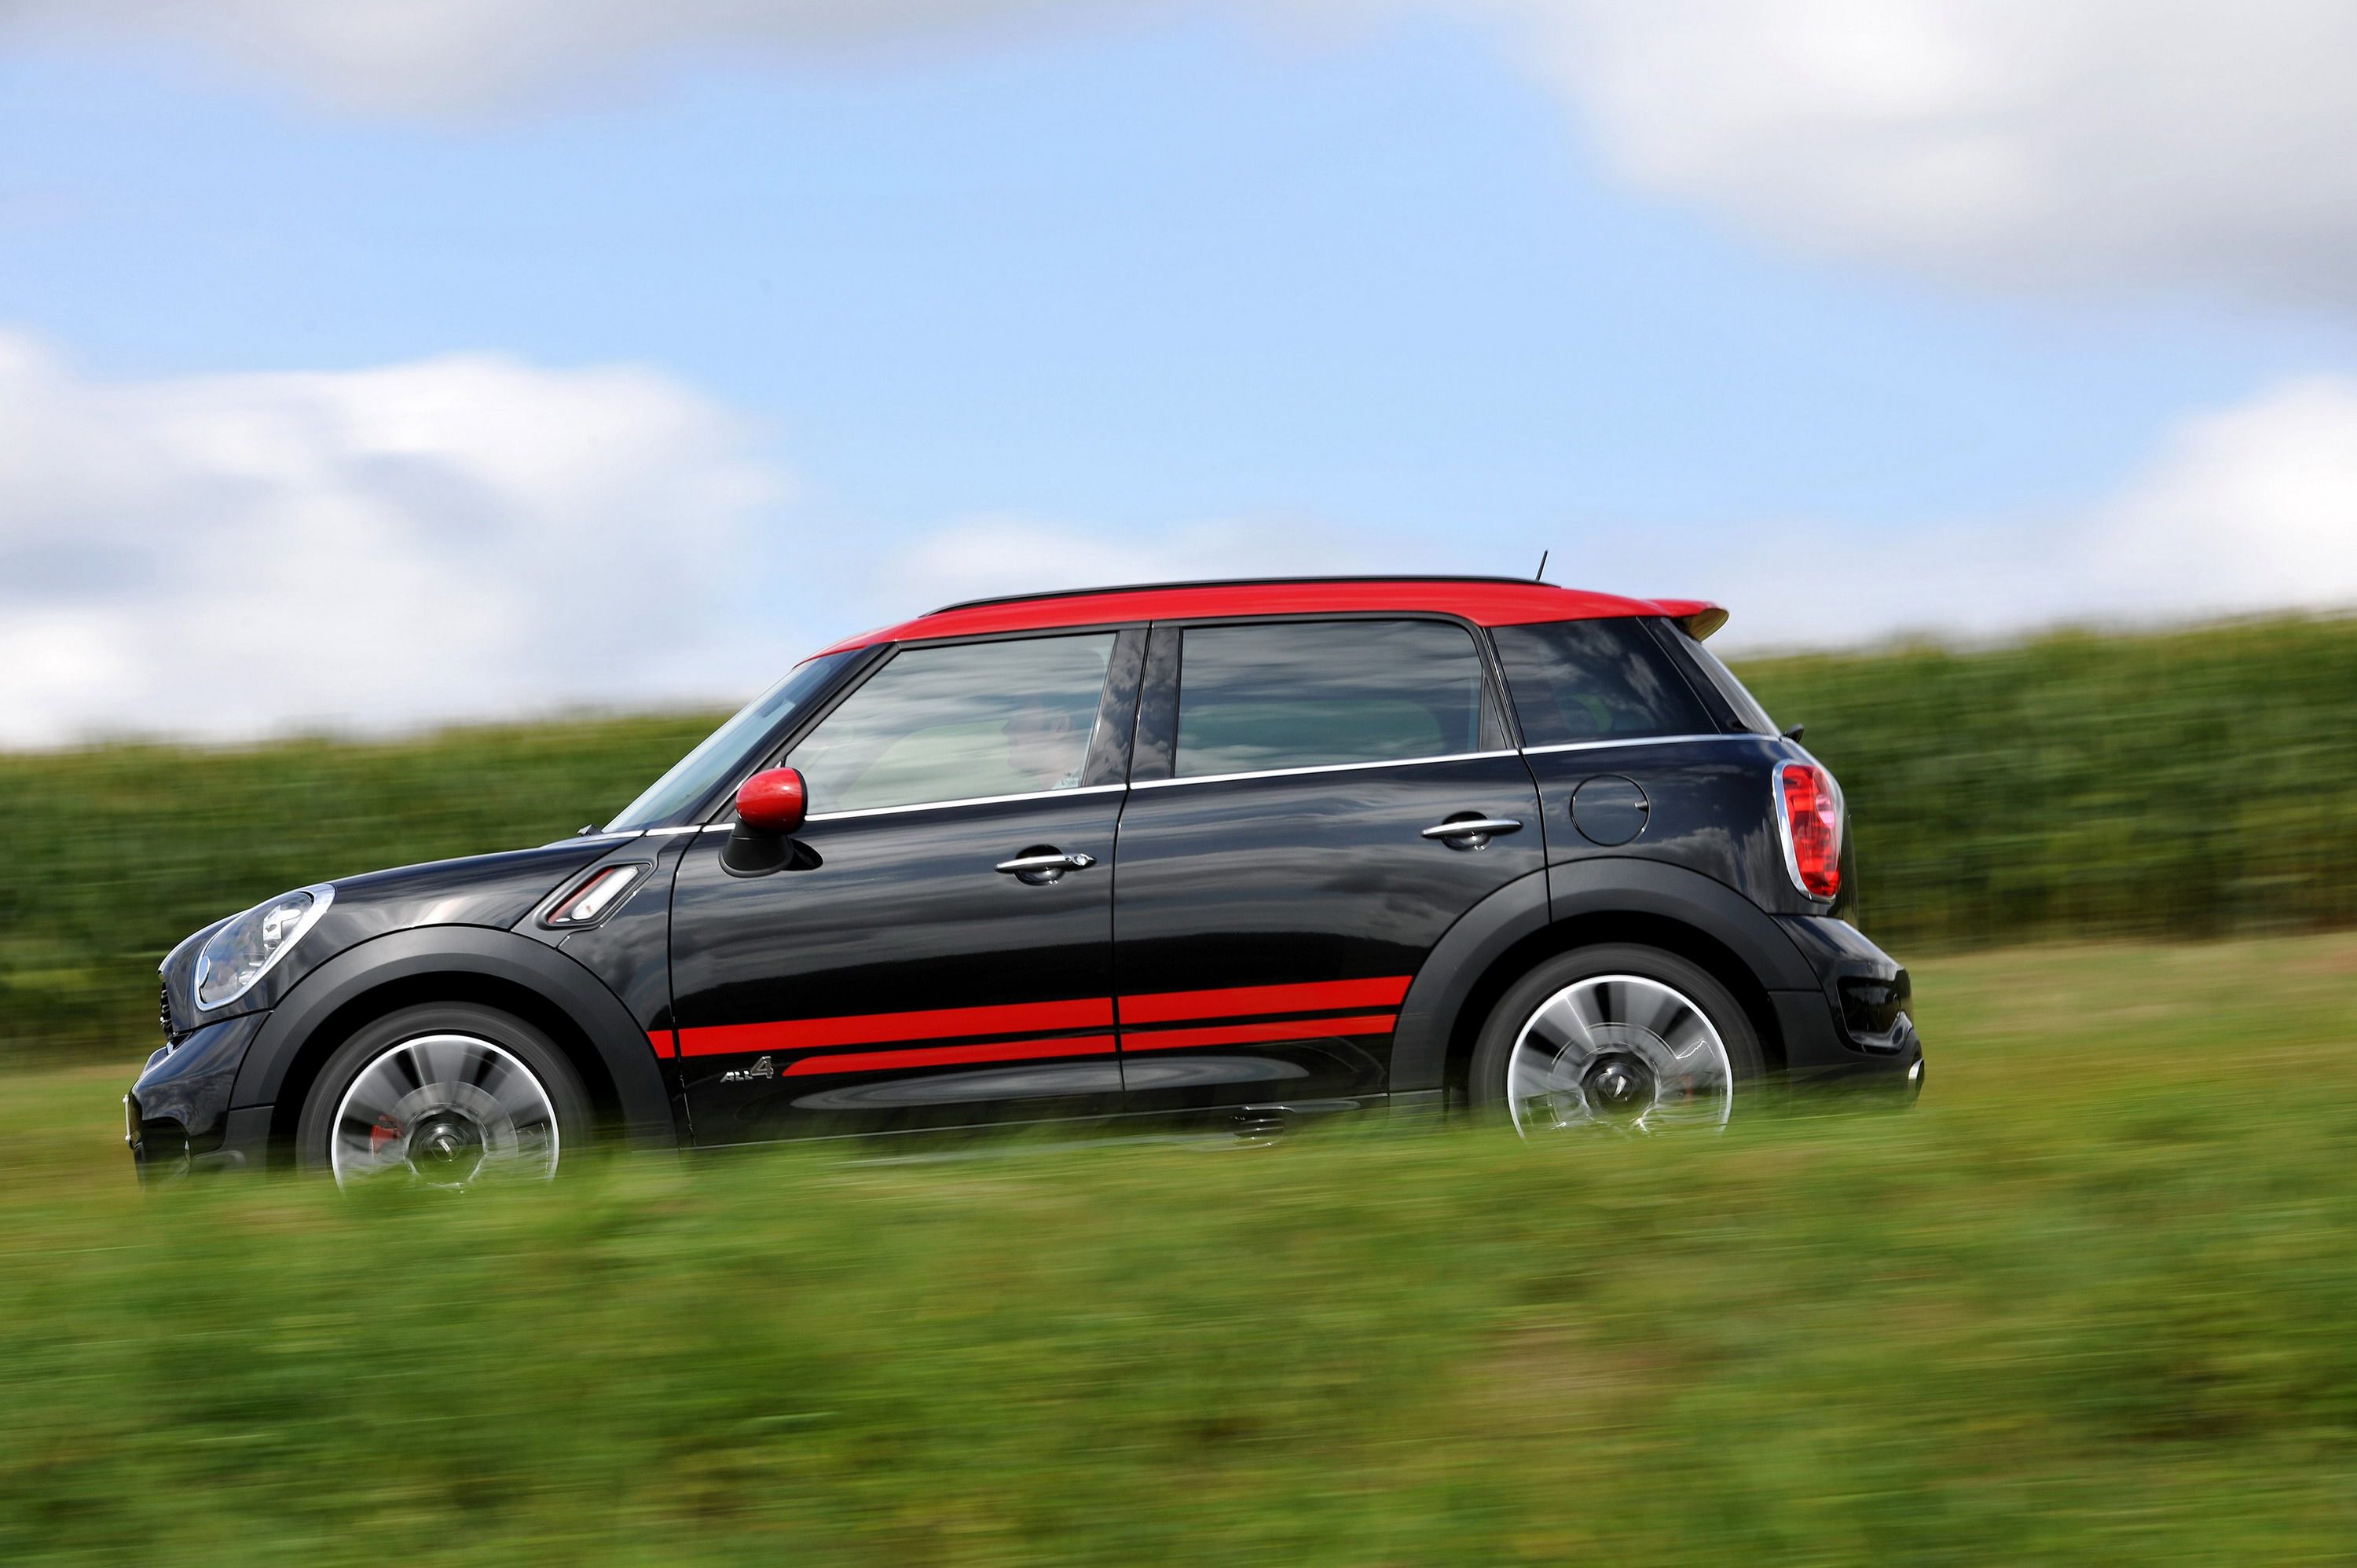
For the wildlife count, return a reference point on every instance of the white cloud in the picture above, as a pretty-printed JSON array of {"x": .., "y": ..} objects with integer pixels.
[
  {"x": 438, "y": 56},
  {"x": 229, "y": 555},
  {"x": 2248, "y": 509},
  {"x": 2021, "y": 142},
  {"x": 2040, "y": 143},
  {"x": 2016, "y": 141},
  {"x": 470, "y": 536}
]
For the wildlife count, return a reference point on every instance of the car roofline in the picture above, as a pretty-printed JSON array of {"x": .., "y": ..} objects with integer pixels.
[
  {"x": 1228, "y": 583},
  {"x": 1484, "y": 601}
]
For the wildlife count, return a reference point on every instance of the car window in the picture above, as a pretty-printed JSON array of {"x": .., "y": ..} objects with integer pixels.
[
  {"x": 727, "y": 750},
  {"x": 1309, "y": 694},
  {"x": 954, "y": 723},
  {"x": 1595, "y": 680},
  {"x": 1748, "y": 711}
]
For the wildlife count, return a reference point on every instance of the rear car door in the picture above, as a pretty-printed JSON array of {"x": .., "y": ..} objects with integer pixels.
[
  {"x": 1287, "y": 860},
  {"x": 914, "y": 964}
]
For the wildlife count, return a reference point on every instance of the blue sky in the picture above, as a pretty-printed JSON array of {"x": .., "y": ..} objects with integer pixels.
[{"x": 1180, "y": 292}]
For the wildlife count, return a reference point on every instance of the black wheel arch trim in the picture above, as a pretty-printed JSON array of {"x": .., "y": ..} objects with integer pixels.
[
  {"x": 1434, "y": 1012},
  {"x": 640, "y": 1097}
]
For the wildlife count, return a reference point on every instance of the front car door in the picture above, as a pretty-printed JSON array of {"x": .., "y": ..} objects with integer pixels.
[
  {"x": 1286, "y": 863},
  {"x": 936, "y": 951}
]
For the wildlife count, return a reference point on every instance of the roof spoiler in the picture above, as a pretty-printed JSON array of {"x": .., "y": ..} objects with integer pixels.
[{"x": 1697, "y": 617}]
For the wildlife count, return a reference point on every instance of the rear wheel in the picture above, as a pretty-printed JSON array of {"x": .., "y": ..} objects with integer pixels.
[
  {"x": 1622, "y": 1037},
  {"x": 449, "y": 1095}
]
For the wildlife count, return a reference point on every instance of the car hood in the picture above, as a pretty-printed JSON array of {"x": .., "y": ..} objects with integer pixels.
[{"x": 495, "y": 890}]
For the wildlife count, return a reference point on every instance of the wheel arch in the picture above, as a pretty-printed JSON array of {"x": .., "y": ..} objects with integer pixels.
[
  {"x": 1607, "y": 899},
  {"x": 459, "y": 963}
]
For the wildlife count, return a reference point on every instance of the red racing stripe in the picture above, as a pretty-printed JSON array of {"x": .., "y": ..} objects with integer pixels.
[
  {"x": 660, "y": 1039},
  {"x": 883, "y": 1028},
  {"x": 952, "y": 1056},
  {"x": 1166, "y": 1006},
  {"x": 1250, "y": 1034}
]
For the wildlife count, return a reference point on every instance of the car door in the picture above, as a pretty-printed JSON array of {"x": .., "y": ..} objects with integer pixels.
[
  {"x": 1287, "y": 858},
  {"x": 936, "y": 949}
]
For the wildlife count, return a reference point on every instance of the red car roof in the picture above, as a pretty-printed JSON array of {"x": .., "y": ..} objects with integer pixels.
[{"x": 1484, "y": 601}]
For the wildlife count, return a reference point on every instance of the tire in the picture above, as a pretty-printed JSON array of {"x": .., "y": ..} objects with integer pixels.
[
  {"x": 1618, "y": 1036},
  {"x": 447, "y": 1095}
]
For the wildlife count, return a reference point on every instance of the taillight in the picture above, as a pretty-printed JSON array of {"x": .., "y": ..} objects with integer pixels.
[
  {"x": 1812, "y": 827},
  {"x": 596, "y": 899}
]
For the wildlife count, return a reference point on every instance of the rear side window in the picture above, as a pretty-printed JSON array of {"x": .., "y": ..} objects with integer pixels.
[
  {"x": 1595, "y": 680},
  {"x": 1749, "y": 714},
  {"x": 1313, "y": 694}
]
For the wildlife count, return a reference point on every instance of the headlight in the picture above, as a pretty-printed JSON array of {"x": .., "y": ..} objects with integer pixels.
[{"x": 243, "y": 951}]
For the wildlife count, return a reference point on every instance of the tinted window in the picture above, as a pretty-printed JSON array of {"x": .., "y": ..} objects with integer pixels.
[
  {"x": 950, "y": 724},
  {"x": 1595, "y": 680},
  {"x": 1305, "y": 693},
  {"x": 1748, "y": 711},
  {"x": 728, "y": 750}
]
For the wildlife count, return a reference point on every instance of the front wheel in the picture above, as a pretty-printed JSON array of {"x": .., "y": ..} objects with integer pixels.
[
  {"x": 449, "y": 1095},
  {"x": 1624, "y": 1037}
]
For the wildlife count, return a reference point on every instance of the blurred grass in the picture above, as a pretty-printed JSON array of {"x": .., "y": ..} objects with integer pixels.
[
  {"x": 2184, "y": 783},
  {"x": 117, "y": 852},
  {"x": 2190, "y": 783},
  {"x": 2092, "y": 1300}
]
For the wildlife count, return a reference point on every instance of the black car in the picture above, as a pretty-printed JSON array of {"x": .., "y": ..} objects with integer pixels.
[{"x": 1221, "y": 855}]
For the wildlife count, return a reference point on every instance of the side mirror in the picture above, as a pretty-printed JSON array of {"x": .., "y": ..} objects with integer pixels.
[{"x": 773, "y": 801}]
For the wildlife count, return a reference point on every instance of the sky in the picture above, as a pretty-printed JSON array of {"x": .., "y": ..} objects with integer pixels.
[{"x": 397, "y": 361}]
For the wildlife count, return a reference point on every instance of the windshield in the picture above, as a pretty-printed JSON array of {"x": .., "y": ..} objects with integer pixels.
[{"x": 727, "y": 750}]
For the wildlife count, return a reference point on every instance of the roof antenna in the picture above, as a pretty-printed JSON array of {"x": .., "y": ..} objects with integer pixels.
[{"x": 1540, "y": 576}]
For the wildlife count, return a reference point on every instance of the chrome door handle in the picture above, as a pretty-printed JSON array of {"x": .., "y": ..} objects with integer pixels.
[
  {"x": 1471, "y": 833},
  {"x": 1041, "y": 869}
]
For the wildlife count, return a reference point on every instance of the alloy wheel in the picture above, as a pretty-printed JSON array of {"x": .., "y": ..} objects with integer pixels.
[
  {"x": 444, "y": 1111},
  {"x": 1618, "y": 1051}
]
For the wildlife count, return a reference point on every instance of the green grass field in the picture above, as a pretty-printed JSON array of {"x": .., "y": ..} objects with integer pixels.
[{"x": 2092, "y": 1300}]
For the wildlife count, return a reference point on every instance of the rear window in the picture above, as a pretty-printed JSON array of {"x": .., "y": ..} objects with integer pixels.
[
  {"x": 1312, "y": 693},
  {"x": 1595, "y": 680}
]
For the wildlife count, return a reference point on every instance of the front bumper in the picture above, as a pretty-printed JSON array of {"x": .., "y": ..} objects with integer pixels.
[
  {"x": 177, "y": 1118},
  {"x": 1856, "y": 1029}
]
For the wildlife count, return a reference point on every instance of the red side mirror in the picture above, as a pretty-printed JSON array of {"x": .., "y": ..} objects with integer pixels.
[{"x": 773, "y": 801}]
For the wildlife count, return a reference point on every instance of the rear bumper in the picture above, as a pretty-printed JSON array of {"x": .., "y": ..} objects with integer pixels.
[{"x": 1856, "y": 1029}]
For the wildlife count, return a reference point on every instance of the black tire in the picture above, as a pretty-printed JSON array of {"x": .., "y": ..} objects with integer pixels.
[
  {"x": 550, "y": 1073},
  {"x": 1494, "y": 1049}
]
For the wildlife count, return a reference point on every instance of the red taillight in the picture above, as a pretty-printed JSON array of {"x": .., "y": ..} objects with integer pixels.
[{"x": 1812, "y": 827}]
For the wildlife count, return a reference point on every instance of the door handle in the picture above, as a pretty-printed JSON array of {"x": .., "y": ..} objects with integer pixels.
[
  {"x": 1045, "y": 866},
  {"x": 1470, "y": 831}
]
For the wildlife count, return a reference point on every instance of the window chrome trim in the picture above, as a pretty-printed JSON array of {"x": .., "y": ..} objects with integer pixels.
[
  {"x": 945, "y": 805},
  {"x": 1635, "y": 740},
  {"x": 1320, "y": 767}
]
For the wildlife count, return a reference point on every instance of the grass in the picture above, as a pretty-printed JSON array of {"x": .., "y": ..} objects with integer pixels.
[
  {"x": 2090, "y": 1300},
  {"x": 2187, "y": 783},
  {"x": 2180, "y": 783},
  {"x": 118, "y": 852}
]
